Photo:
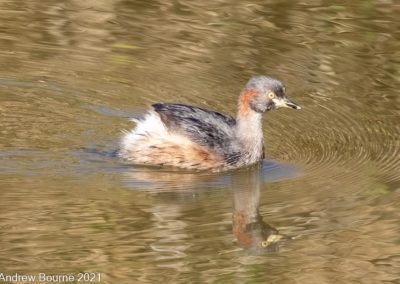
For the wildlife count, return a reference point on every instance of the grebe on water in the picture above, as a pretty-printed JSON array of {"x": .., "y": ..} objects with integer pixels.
[{"x": 194, "y": 138}]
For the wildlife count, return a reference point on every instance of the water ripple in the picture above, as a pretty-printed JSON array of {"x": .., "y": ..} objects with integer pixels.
[{"x": 334, "y": 134}]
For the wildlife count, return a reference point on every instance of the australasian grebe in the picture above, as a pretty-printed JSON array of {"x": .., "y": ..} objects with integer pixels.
[{"x": 195, "y": 138}]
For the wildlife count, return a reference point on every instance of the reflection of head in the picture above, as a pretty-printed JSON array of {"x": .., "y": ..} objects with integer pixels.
[{"x": 257, "y": 234}]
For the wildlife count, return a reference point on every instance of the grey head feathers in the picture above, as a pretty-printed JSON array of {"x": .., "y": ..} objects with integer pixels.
[{"x": 264, "y": 84}]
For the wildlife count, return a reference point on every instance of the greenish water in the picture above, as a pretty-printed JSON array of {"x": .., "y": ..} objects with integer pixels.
[{"x": 325, "y": 204}]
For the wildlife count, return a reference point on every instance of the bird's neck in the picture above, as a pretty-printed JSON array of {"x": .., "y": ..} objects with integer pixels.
[{"x": 249, "y": 133}]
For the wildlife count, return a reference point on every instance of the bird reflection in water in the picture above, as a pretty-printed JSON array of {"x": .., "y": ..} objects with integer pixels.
[
  {"x": 248, "y": 226},
  {"x": 249, "y": 229}
]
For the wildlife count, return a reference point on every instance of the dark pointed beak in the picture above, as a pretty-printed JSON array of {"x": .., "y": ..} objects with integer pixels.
[{"x": 290, "y": 104}]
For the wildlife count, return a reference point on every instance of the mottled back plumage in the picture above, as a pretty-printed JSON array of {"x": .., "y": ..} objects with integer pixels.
[{"x": 210, "y": 129}]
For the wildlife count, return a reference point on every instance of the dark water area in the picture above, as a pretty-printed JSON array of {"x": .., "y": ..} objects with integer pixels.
[{"x": 323, "y": 207}]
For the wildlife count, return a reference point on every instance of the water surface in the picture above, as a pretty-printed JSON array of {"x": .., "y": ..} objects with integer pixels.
[{"x": 72, "y": 74}]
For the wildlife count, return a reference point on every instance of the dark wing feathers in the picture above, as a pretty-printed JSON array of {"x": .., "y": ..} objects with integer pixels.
[{"x": 208, "y": 128}]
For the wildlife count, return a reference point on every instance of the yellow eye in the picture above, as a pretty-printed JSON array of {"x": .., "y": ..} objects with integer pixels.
[
  {"x": 271, "y": 95},
  {"x": 264, "y": 244}
]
